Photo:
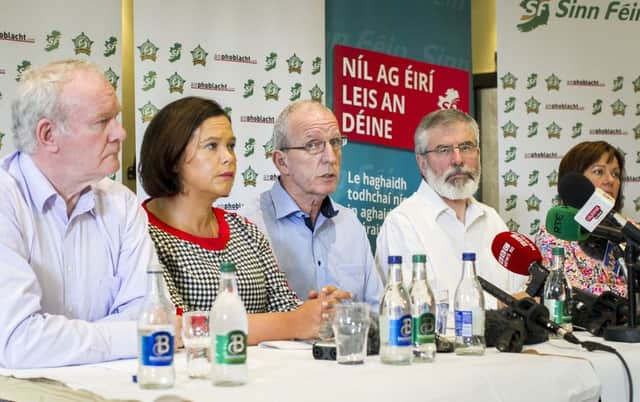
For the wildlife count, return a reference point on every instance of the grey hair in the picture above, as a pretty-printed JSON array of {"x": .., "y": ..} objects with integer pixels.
[
  {"x": 441, "y": 118},
  {"x": 281, "y": 126},
  {"x": 39, "y": 96}
]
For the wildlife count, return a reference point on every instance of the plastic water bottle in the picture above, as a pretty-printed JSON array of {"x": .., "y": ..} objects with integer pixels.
[
  {"x": 156, "y": 329},
  {"x": 423, "y": 325},
  {"x": 395, "y": 318},
  {"x": 469, "y": 310},
  {"x": 228, "y": 327},
  {"x": 557, "y": 293}
]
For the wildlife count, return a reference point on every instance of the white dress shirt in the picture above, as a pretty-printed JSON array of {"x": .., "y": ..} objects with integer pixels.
[
  {"x": 425, "y": 224},
  {"x": 72, "y": 286}
]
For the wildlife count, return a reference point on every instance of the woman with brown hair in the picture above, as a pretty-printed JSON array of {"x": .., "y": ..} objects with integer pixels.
[
  {"x": 187, "y": 161},
  {"x": 588, "y": 265}
]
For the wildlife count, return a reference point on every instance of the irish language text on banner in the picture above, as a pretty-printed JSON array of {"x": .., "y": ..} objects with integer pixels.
[{"x": 380, "y": 99}]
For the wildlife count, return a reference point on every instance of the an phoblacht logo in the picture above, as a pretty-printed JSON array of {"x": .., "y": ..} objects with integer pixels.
[
  {"x": 316, "y": 93},
  {"x": 268, "y": 148},
  {"x": 249, "y": 177},
  {"x": 511, "y": 202},
  {"x": 533, "y": 177},
  {"x": 509, "y": 130},
  {"x": 1, "y": 137},
  {"x": 147, "y": 111},
  {"x": 112, "y": 77},
  {"x": 537, "y": 13},
  {"x": 176, "y": 83},
  {"x": 199, "y": 56},
  {"x": 82, "y": 44},
  {"x": 271, "y": 91},
  {"x": 512, "y": 225},
  {"x": 510, "y": 178},
  {"x": 148, "y": 51}
]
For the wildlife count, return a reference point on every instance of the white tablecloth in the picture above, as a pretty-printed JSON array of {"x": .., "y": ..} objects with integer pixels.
[{"x": 293, "y": 375}]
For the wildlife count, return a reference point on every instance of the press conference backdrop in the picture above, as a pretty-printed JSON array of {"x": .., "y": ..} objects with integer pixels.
[
  {"x": 375, "y": 178},
  {"x": 253, "y": 57},
  {"x": 567, "y": 72},
  {"x": 34, "y": 32}
]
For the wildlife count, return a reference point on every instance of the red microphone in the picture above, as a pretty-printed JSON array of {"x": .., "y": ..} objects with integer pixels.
[{"x": 517, "y": 253}]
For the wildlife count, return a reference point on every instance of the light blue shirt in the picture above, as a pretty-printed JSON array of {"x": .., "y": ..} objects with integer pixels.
[
  {"x": 336, "y": 252},
  {"x": 71, "y": 286}
]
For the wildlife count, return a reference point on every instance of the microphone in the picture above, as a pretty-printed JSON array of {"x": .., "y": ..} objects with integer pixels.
[
  {"x": 533, "y": 313},
  {"x": 594, "y": 205},
  {"x": 517, "y": 253},
  {"x": 561, "y": 222}
]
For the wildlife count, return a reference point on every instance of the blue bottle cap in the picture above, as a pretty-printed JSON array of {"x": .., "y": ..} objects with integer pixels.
[
  {"x": 468, "y": 256},
  {"x": 394, "y": 259}
]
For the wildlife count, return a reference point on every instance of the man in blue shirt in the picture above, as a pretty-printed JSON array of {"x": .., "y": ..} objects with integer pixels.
[
  {"x": 73, "y": 244},
  {"x": 317, "y": 242}
]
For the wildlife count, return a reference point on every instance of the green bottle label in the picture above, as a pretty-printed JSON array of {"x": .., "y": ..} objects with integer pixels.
[
  {"x": 423, "y": 329},
  {"x": 231, "y": 348}
]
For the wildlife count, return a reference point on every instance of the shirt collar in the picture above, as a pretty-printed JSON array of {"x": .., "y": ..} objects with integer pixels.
[
  {"x": 439, "y": 206},
  {"x": 285, "y": 205},
  {"x": 43, "y": 194}
]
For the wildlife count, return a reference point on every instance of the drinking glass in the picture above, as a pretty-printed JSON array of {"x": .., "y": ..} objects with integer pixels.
[
  {"x": 350, "y": 329},
  {"x": 197, "y": 343}
]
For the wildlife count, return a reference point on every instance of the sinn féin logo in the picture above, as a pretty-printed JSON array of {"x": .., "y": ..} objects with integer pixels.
[{"x": 537, "y": 13}]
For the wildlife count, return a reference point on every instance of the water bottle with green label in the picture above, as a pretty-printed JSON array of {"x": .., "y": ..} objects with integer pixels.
[
  {"x": 423, "y": 325},
  {"x": 557, "y": 293},
  {"x": 228, "y": 327}
]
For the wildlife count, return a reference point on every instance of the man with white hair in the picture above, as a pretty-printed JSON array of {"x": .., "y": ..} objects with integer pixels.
[
  {"x": 442, "y": 219},
  {"x": 74, "y": 245}
]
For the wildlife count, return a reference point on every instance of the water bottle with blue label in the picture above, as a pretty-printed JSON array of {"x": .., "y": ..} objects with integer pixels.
[
  {"x": 395, "y": 318},
  {"x": 156, "y": 329},
  {"x": 469, "y": 310}
]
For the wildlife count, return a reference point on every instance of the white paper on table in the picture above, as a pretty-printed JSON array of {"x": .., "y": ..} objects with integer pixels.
[{"x": 286, "y": 345}]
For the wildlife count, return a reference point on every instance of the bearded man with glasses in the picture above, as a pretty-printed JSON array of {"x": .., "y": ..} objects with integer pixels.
[
  {"x": 442, "y": 219},
  {"x": 317, "y": 241}
]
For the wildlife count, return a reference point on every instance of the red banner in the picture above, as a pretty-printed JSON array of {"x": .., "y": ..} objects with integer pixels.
[{"x": 380, "y": 99}]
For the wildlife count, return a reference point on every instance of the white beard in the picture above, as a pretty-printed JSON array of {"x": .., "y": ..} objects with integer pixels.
[{"x": 459, "y": 189}]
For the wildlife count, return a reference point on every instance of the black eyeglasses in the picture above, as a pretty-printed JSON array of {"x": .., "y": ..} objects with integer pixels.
[
  {"x": 466, "y": 148},
  {"x": 315, "y": 147}
]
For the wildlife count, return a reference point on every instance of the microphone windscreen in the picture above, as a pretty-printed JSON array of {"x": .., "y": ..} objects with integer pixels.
[
  {"x": 515, "y": 251},
  {"x": 561, "y": 223},
  {"x": 575, "y": 189}
]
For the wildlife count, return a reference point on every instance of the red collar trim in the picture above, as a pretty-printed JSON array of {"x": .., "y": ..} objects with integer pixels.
[{"x": 209, "y": 243}]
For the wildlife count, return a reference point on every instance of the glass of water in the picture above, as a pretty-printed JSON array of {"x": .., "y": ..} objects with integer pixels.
[
  {"x": 442, "y": 310},
  {"x": 197, "y": 343}
]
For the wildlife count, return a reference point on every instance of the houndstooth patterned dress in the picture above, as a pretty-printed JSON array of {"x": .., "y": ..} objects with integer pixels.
[{"x": 192, "y": 265}]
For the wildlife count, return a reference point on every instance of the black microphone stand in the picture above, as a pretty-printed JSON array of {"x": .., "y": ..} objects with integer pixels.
[{"x": 627, "y": 333}]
